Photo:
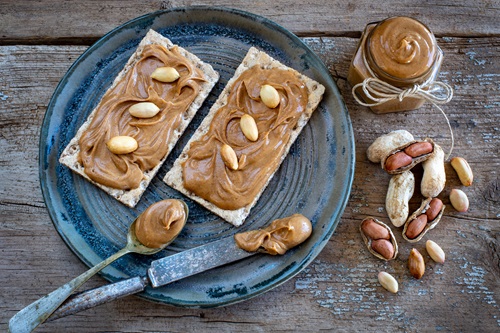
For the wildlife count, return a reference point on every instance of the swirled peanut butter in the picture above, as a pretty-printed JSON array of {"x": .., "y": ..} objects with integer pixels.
[
  {"x": 204, "y": 171},
  {"x": 402, "y": 47},
  {"x": 400, "y": 51},
  {"x": 280, "y": 236},
  {"x": 160, "y": 223},
  {"x": 112, "y": 118}
]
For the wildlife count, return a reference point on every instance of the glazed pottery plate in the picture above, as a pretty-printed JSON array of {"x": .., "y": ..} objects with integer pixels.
[{"x": 314, "y": 180}]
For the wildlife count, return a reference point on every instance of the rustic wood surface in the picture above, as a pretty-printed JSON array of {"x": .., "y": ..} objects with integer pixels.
[{"x": 339, "y": 290}]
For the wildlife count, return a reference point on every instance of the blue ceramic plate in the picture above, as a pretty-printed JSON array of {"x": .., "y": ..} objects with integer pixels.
[{"x": 315, "y": 179}]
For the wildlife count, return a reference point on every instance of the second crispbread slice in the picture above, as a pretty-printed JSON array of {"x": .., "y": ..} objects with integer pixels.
[
  {"x": 70, "y": 155},
  {"x": 254, "y": 57}
]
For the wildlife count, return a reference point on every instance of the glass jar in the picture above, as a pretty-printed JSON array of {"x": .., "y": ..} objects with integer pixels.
[{"x": 400, "y": 51}]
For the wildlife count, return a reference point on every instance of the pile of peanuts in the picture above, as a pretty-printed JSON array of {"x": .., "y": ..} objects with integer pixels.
[{"x": 398, "y": 152}]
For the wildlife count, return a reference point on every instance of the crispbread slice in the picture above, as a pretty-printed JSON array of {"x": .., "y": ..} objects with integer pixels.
[
  {"x": 69, "y": 156},
  {"x": 254, "y": 57}
]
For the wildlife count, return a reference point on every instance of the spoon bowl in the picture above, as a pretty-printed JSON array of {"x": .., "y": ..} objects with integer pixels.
[{"x": 37, "y": 312}]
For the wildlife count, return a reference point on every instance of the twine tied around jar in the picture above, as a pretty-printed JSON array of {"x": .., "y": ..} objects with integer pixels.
[{"x": 380, "y": 92}]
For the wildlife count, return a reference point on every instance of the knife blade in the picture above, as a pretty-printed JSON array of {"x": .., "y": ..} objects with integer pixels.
[{"x": 161, "y": 272}]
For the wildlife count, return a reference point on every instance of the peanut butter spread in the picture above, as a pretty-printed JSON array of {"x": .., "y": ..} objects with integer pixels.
[
  {"x": 280, "y": 236},
  {"x": 113, "y": 119},
  {"x": 402, "y": 47},
  {"x": 160, "y": 223},
  {"x": 204, "y": 171}
]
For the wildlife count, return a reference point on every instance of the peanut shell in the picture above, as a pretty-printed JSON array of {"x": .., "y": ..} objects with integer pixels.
[
  {"x": 386, "y": 143},
  {"x": 399, "y": 193},
  {"x": 434, "y": 177},
  {"x": 368, "y": 241},
  {"x": 430, "y": 224},
  {"x": 412, "y": 160}
]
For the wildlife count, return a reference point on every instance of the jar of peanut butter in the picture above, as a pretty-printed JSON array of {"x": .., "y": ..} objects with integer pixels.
[{"x": 402, "y": 56}]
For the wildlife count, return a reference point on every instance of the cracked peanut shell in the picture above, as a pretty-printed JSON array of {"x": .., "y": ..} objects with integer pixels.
[
  {"x": 406, "y": 156},
  {"x": 422, "y": 210},
  {"x": 369, "y": 241}
]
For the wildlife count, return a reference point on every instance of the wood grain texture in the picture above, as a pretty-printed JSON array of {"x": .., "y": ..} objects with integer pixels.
[
  {"x": 339, "y": 290},
  {"x": 56, "y": 21}
]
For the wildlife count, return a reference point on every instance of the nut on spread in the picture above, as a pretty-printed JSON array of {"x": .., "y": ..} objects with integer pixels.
[
  {"x": 160, "y": 224},
  {"x": 112, "y": 118},
  {"x": 280, "y": 236},
  {"x": 402, "y": 47},
  {"x": 204, "y": 171}
]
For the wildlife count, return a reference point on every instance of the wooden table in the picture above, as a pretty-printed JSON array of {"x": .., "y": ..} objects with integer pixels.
[{"x": 339, "y": 290}]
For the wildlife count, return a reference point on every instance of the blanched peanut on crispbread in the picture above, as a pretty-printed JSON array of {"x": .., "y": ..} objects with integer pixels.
[
  {"x": 229, "y": 157},
  {"x": 269, "y": 96},
  {"x": 249, "y": 127},
  {"x": 122, "y": 144}
]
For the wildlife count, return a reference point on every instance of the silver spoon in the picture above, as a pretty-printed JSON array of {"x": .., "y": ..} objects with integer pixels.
[{"x": 37, "y": 312}]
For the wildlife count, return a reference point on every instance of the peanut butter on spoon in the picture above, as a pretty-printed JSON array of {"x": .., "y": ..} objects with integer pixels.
[
  {"x": 151, "y": 232},
  {"x": 280, "y": 236},
  {"x": 161, "y": 223}
]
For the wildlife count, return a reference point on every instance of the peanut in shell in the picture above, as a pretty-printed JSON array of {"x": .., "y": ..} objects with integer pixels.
[
  {"x": 422, "y": 210},
  {"x": 386, "y": 247},
  {"x": 406, "y": 156}
]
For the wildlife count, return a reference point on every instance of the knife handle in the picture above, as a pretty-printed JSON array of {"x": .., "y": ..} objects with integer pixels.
[{"x": 94, "y": 297}]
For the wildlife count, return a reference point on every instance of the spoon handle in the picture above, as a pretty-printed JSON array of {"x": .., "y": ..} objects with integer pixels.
[{"x": 30, "y": 317}]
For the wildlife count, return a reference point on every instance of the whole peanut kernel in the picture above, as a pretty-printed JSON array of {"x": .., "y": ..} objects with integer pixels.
[
  {"x": 388, "y": 282},
  {"x": 463, "y": 170},
  {"x": 229, "y": 157},
  {"x": 122, "y": 144},
  {"x": 416, "y": 264},
  {"x": 416, "y": 226},
  {"x": 434, "y": 209},
  {"x": 397, "y": 160},
  {"x": 144, "y": 110},
  {"x": 373, "y": 230},
  {"x": 249, "y": 127},
  {"x": 383, "y": 247},
  {"x": 418, "y": 149},
  {"x": 270, "y": 96},
  {"x": 435, "y": 251},
  {"x": 459, "y": 200},
  {"x": 165, "y": 74}
]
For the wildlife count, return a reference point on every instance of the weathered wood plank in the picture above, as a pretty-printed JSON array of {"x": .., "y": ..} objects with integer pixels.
[
  {"x": 339, "y": 290},
  {"x": 57, "y": 21}
]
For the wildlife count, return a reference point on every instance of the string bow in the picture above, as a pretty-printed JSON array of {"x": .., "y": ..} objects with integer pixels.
[{"x": 381, "y": 92}]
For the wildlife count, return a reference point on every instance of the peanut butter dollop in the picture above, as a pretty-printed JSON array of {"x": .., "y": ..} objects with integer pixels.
[
  {"x": 113, "y": 119},
  {"x": 280, "y": 236},
  {"x": 204, "y": 171},
  {"x": 402, "y": 47},
  {"x": 160, "y": 223}
]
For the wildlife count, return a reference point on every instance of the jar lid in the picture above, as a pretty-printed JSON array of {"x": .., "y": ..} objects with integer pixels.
[{"x": 401, "y": 48}]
